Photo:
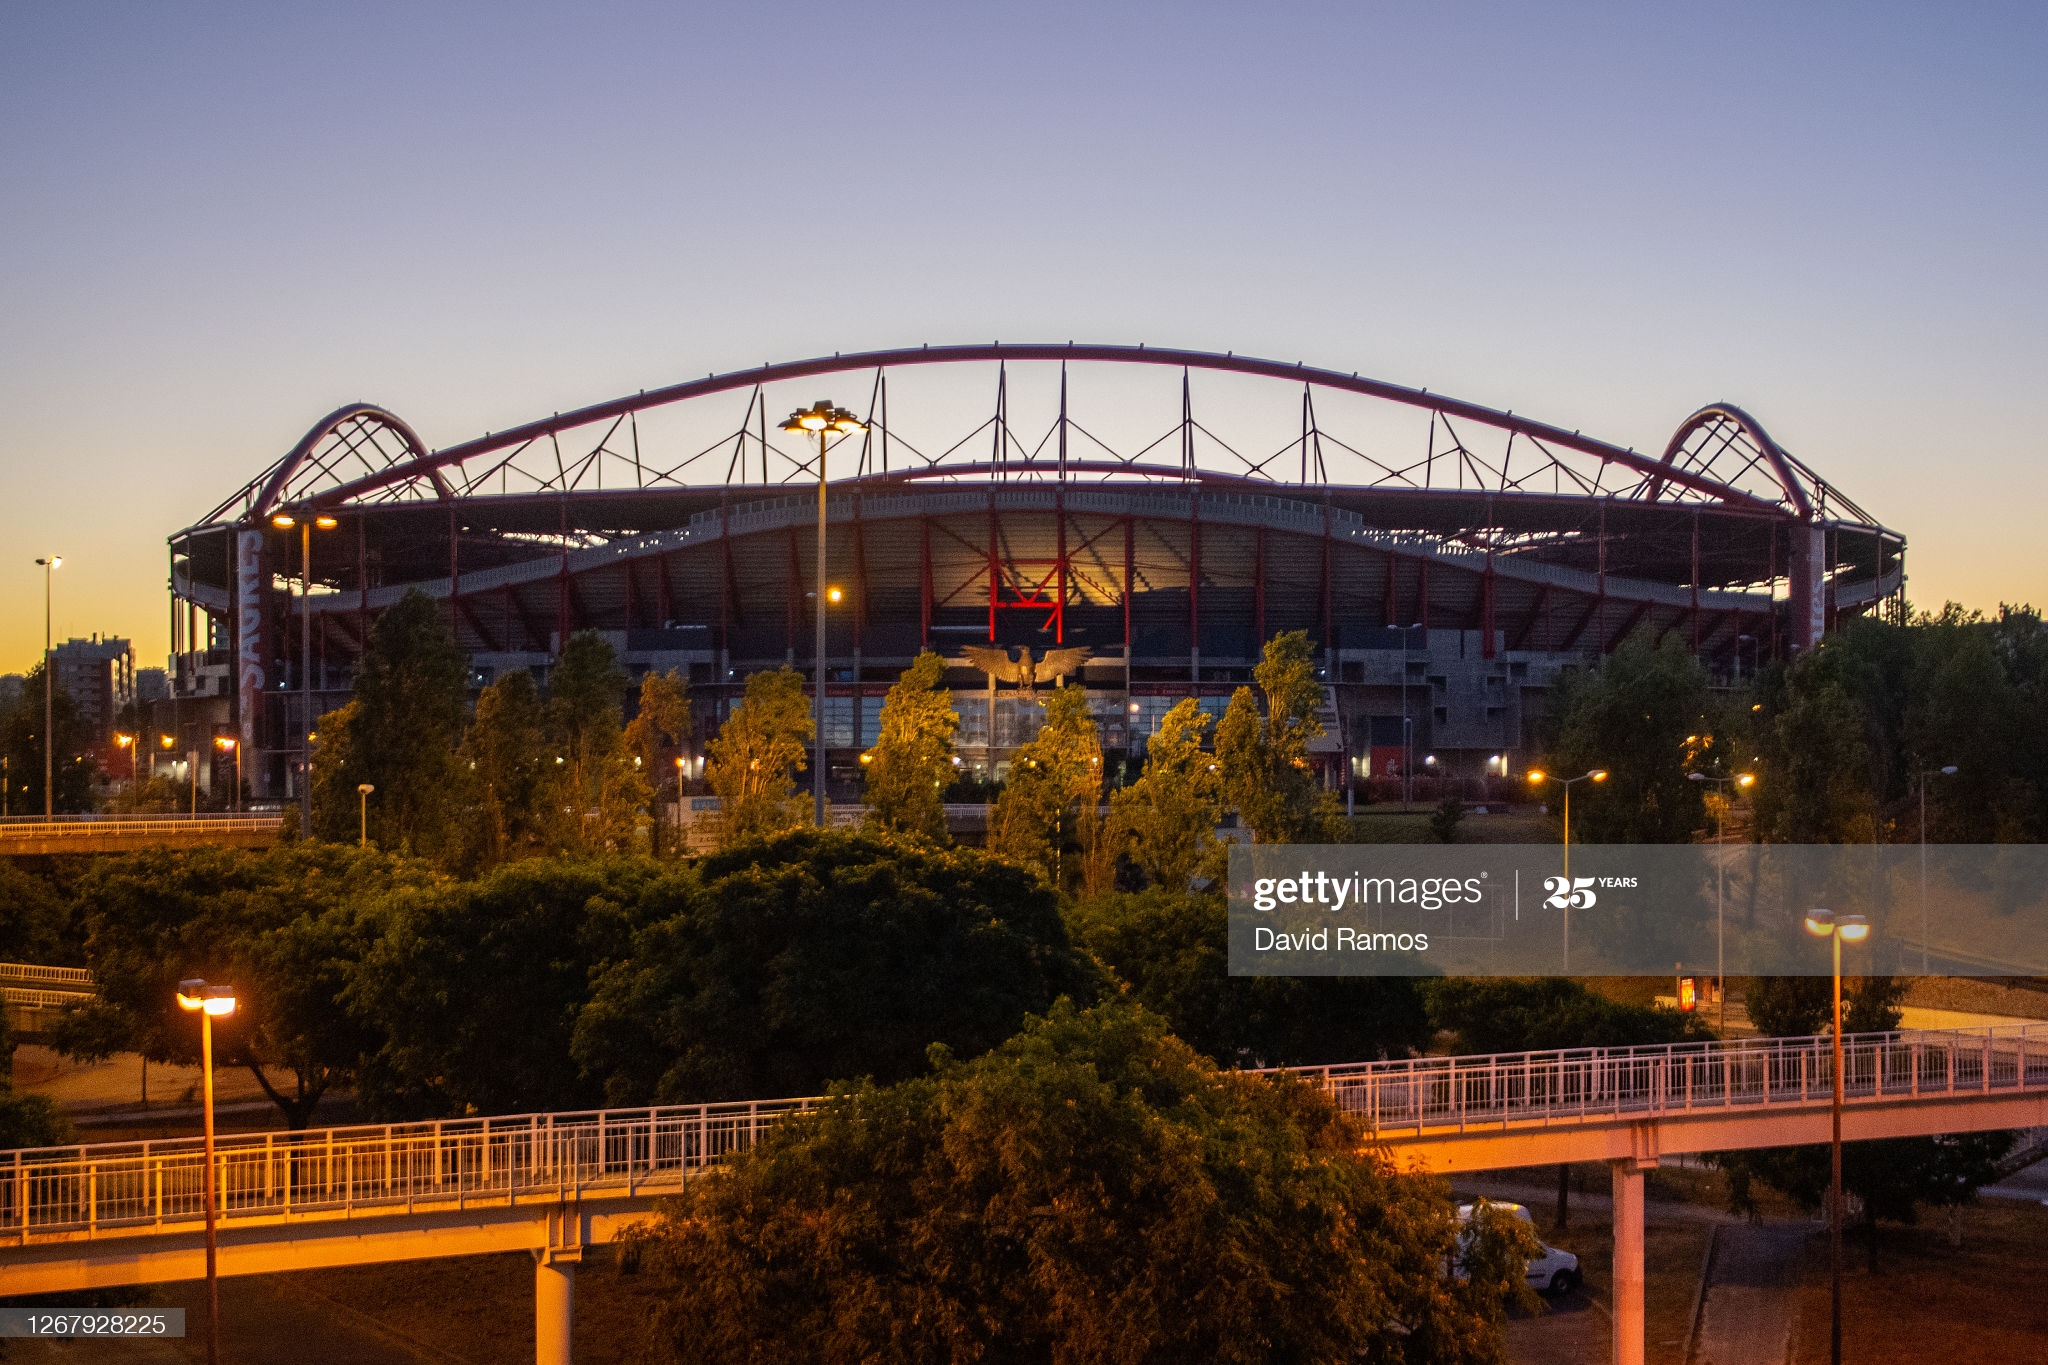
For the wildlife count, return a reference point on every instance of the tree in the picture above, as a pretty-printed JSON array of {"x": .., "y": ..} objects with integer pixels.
[
  {"x": 34, "y": 918},
  {"x": 912, "y": 761},
  {"x": 514, "y": 778},
  {"x": 26, "y": 1120},
  {"x": 656, "y": 733},
  {"x": 284, "y": 927},
  {"x": 602, "y": 790},
  {"x": 399, "y": 733},
  {"x": 1166, "y": 820},
  {"x": 1644, "y": 717},
  {"x": 1089, "y": 1192},
  {"x": 1263, "y": 758},
  {"x": 1170, "y": 948},
  {"x": 1054, "y": 790},
  {"x": 750, "y": 759},
  {"x": 472, "y": 989},
  {"x": 815, "y": 957},
  {"x": 21, "y": 740}
]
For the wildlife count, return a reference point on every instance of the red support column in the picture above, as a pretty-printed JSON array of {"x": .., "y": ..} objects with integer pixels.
[
  {"x": 995, "y": 573},
  {"x": 1059, "y": 612},
  {"x": 1195, "y": 584},
  {"x": 1329, "y": 588},
  {"x": 1259, "y": 591},
  {"x": 924, "y": 582},
  {"x": 1129, "y": 526},
  {"x": 1422, "y": 594}
]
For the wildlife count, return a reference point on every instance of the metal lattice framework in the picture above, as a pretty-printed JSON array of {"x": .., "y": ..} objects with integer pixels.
[{"x": 362, "y": 454}]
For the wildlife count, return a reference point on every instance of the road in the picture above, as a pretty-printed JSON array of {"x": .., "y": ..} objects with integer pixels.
[{"x": 1752, "y": 1295}]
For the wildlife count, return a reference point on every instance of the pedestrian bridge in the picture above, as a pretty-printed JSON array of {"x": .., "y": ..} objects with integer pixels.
[
  {"x": 20, "y": 837},
  {"x": 80, "y": 1218}
]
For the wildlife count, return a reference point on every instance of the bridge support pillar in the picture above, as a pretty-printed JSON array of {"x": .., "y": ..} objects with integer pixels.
[
  {"x": 554, "y": 1308},
  {"x": 1628, "y": 1260}
]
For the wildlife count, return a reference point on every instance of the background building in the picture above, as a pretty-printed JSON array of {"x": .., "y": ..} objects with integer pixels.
[
  {"x": 99, "y": 677},
  {"x": 1166, "y": 512}
]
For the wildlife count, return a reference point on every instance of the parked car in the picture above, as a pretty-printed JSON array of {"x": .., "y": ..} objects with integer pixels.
[{"x": 1555, "y": 1272}]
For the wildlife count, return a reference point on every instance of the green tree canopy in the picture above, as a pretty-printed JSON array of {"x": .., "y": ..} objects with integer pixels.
[
  {"x": 750, "y": 760},
  {"x": 21, "y": 741},
  {"x": 912, "y": 761},
  {"x": 1089, "y": 1192},
  {"x": 284, "y": 927},
  {"x": 1262, "y": 753},
  {"x": 817, "y": 957},
  {"x": 1644, "y": 717},
  {"x": 399, "y": 734},
  {"x": 514, "y": 775},
  {"x": 1166, "y": 820},
  {"x": 1054, "y": 788},
  {"x": 1171, "y": 948},
  {"x": 601, "y": 786},
  {"x": 1547, "y": 1014}
]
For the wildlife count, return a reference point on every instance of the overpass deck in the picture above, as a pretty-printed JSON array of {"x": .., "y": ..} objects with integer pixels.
[{"x": 86, "y": 1217}]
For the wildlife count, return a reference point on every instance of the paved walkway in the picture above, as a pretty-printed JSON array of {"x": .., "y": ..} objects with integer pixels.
[{"x": 1752, "y": 1295}]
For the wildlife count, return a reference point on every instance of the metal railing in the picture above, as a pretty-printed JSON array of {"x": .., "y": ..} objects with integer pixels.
[
  {"x": 1459, "y": 1093},
  {"x": 116, "y": 1189},
  {"x": 125, "y": 1188},
  {"x": 88, "y": 827},
  {"x": 56, "y": 978}
]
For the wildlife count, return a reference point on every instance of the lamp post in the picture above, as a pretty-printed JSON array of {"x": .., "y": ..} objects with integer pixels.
[
  {"x": 210, "y": 1002},
  {"x": 1538, "y": 777},
  {"x": 824, "y": 418},
  {"x": 226, "y": 744},
  {"x": 128, "y": 742},
  {"x": 1827, "y": 924},
  {"x": 284, "y": 521},
  {"x": 50, "y": 563},
  {"x": 1949, "y": 771},
  {"x": 1721, "y": 894},
  {"x": 363, "y": 790}
]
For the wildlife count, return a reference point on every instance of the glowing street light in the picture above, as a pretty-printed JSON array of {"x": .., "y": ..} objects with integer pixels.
[
  {"x": 1537, "y": 777},
  {"x": 1742, "y": 781},
  {"x": 1827, "y": 924},
  {"x": 50, "y": 563},
  {"x": 822, "y": 418},
  {"x": 284, "y": 521},
  {"x": 226, "y": 744},
  {"x": 209, "y": 1003},
  {"x": 128, "y": 742}
]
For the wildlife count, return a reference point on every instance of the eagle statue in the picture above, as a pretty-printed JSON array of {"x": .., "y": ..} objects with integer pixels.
[{"x": 1026, "y": 672}]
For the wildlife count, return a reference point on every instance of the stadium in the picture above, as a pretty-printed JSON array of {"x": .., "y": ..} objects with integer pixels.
[{"x": 1137, "y": 521}]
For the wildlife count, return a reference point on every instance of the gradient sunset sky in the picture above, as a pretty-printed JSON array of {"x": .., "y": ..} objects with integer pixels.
[{"x": 221, "y": 222}]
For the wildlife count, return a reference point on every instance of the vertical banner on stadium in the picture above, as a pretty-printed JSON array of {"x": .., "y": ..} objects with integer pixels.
[{"x": 249, "y": 638}]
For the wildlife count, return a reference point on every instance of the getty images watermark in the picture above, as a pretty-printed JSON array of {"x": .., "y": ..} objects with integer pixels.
[{"x": 1629, "y": 909}]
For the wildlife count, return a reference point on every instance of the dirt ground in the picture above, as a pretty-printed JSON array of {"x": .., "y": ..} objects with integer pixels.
[{"x": 1929, "y": 1304}]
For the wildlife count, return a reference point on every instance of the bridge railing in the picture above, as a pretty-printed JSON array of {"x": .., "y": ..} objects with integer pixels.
[
  {"x": 121, "y": 1188},
  {"x": 89, "y": 827},
  {"x": 1461, "y": 1092},
  {"x": 135, "y": 1186}
]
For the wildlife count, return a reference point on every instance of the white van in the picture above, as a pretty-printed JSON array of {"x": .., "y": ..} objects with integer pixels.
[{"x": 1554, "y": 1272}]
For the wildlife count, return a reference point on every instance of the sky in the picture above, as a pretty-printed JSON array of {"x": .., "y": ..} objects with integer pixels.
[{"x": 221, "y": 222}]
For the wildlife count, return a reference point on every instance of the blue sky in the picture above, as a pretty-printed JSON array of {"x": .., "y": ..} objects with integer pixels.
[{"x": 221, "y": 222}]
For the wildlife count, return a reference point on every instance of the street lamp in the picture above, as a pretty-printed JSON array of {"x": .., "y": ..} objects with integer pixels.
[
  {"x": 227, "y": 744},
  {"x": 823, "y": 418},
  {"x": 1742, "y": 780},
  {"x": 128, "y": 742},
  {"x": 209, "y": 1002},
  {"x": 1949, "y": 771},
  {"x": 363, "y": 790},
  {"x": 50, "y": 563},
  {"x": 1827, "y": 924},
  {"x": 284, "y": 521},
  {"x": 1537, "y": 777}
]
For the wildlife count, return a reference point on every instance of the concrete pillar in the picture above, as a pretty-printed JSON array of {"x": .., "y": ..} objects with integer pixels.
[
  {"x": 554, "y": 1308},
  {"x": 1628, "y": 1262}
]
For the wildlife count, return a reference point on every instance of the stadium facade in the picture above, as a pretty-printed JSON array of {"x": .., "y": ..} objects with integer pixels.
[{"x": 1161, "y": 512}]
